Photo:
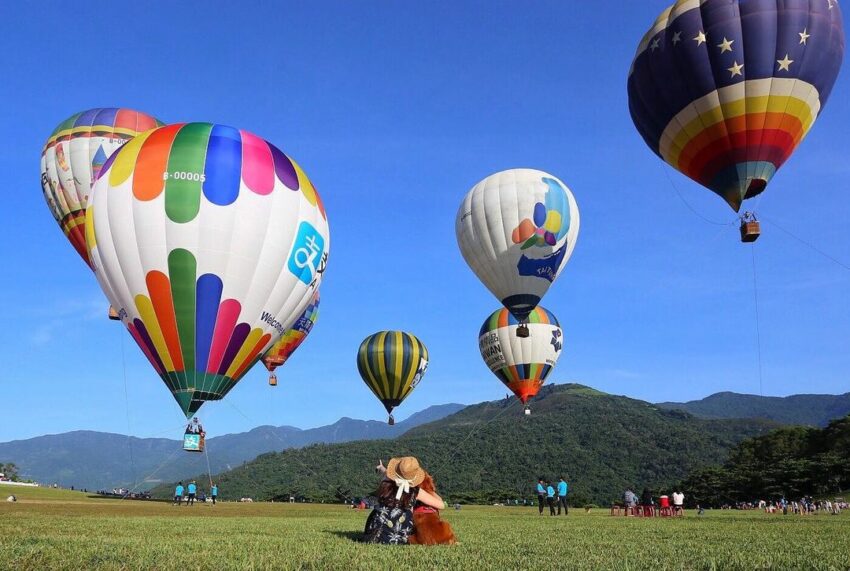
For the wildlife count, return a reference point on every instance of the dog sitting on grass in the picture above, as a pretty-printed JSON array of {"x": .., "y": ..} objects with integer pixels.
[{"x": 428, "y": 528}]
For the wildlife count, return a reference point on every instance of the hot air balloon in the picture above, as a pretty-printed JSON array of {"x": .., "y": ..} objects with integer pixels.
[
  {"x": 291, "y": 339},
  {"x": 516, "y": 229},
  {"x": 73, "y": 158},
  {"x": 391, "y": 364},
  {"x": 725, "y": 90},
  {"x": 522, "y": 364},
  {"x": 209, "y": 242}
]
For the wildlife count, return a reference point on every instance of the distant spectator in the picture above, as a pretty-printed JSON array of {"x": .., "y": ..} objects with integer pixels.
[
  {"x": 647, "y": 501},
  {"x": 550, "y": 498},
  {"x": 678, "y": 503},
  {"x": 541, "y": 495},
  {"x": 178, "y": 493},
  {"x": 563, "y": 488},
  {"x": 630, "y": 501},
  {"x": 190, "y": 499},
  {"x": 214, "y": 493}
]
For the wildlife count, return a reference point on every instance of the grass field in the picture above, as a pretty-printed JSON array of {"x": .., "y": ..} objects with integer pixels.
[{"x": 55, "y": 529}]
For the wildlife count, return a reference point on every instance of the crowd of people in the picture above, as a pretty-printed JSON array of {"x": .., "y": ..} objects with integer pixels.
[
  {"x": 549, "y": 495},
  {"x": 192, "y": 493},
  {"x": 804, "y": 506},
  {"x": 646, "y": 504}
]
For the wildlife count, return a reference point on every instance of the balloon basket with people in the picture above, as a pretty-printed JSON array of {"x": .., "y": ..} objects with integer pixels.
[{"x": 194, "y": 437}]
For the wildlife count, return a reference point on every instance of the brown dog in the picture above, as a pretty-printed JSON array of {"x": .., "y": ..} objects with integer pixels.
[{"x": 428, "y": 528}]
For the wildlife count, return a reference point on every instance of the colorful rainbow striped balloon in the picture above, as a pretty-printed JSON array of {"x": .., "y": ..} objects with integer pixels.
[
  {"x": 725, "y": 90},
  {"x": 73, "y": 157},
  {"x": 293, "y": 337},
  {"x": 209, "y": 242},
  {"x": 521, "y": 363}
]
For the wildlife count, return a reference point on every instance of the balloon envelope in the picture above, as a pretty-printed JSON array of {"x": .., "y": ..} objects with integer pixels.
[
  {"x": 391, "y": 364},
  {"x": 516, "y": 229},
  {"x": 209, "y": 242},
  {"x": 522, "y": 364},
  {"x": 725, "y": 90},
  {"x": 73, "y": 157},
  {"x": 293, "y": 337}
]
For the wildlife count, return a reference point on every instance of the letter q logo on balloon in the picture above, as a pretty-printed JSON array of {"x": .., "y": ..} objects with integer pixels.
[{"x": 307, "y": 252}]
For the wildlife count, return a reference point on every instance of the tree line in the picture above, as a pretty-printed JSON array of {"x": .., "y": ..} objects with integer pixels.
[{"x": 789, "y": 462}]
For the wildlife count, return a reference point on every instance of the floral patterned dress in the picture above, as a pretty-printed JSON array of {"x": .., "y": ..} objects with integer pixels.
[{"x": 391, "y": 526}]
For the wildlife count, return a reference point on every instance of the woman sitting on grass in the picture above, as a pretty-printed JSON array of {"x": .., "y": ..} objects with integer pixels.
[{"x": 392, "y": 521}]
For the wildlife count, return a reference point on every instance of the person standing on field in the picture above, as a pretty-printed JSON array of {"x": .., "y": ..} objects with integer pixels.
[
  {"x": 550, "y": 498},
  {"x": 678, "y": 503},
  {"x": 190, "y": 499},
  {"x": 213, "y": 493},
  {"x": 541, "y": 495},
  {"x": 178, "y": 493},
  {"x": 563, "y": 488}
]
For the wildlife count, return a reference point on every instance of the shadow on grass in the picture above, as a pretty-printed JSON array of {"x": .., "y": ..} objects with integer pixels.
[
  {"x": 354, "y": 536},
  {"x": 116, "y": 497}
]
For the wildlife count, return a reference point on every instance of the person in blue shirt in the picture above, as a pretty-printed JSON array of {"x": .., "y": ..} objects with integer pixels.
[
  {"x": 541, "y": 495},
  {"x": 214, "y": 493},
  {"x": 178, "y": 493},
  {"x": 190, "y": 499},
  {"x": 562, "y": 496},
  {"x": 550, "y": 498}
]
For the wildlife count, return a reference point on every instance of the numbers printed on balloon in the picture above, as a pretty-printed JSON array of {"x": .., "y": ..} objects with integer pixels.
[{"x": 184, "y": 175}]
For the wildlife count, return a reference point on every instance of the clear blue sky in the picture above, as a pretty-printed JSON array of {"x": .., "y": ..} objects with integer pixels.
[{"x": 395, "y": 109}]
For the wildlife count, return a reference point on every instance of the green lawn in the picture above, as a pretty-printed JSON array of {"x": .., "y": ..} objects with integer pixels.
[{"x": 54, "y": 529}]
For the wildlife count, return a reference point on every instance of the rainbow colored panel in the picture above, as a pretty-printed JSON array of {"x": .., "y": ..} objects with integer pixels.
[
  {"x": 293, "y": 337},
  {"x": 504, "y": 318},
  {"x": 178, "y": 333},
  {"x": 725, "y": 90}
]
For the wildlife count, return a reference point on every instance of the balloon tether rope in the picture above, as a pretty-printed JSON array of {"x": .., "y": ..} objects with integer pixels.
[
  {"x": 127, "y": 408},
  {"x": 756, "y": 307}
]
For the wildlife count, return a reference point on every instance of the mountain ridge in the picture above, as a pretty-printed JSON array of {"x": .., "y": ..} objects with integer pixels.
[
  {"x": 104, "y": 460},
  {"x": 491, "y": 451},
  {"x": 805, "y": 409}
]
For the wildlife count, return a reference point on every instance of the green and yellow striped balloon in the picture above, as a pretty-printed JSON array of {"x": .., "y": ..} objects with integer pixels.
[{"x": 392, "y": 363}]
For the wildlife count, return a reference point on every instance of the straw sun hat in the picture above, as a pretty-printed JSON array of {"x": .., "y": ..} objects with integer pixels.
[{"x": 405, "y": 472}]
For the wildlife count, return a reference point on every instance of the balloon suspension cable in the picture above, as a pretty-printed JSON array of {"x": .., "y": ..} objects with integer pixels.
[
  {"x": 809, "y": 244},
  {"x": 157, "y": 469},
  {"x": 475, "y": 428},
  {"x": 691, "y": 208},
  {"x": 209, "y": 470},
  {"x": 127, "y": 408},
  {"x": 756, "y": 307},
  {"x": 318, "y": 477}
]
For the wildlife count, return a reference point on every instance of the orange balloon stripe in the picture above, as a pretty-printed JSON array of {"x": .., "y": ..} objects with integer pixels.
[
  {"x": 152, "y": 162},
  {"x": 734, "y": 149},
  {"x": 714, "y": 135},
  {"x": 160, "y": 290}
]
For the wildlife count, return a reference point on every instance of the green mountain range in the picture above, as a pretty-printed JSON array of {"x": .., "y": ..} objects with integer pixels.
[
  {"x": 806, "y": 410},
  {"x": 491, "y": 451},
  {"x": 102, "y": 460}
]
